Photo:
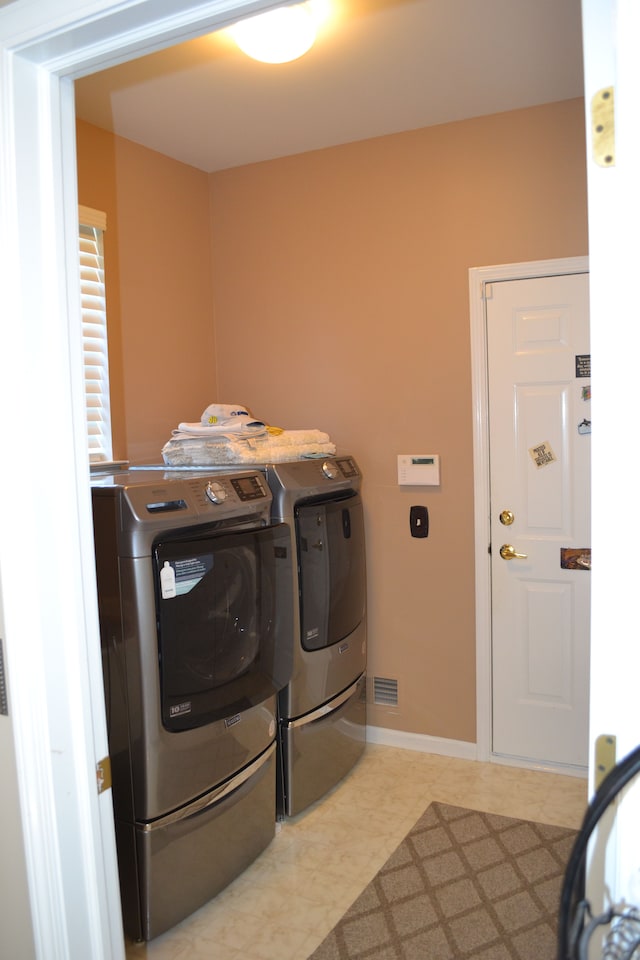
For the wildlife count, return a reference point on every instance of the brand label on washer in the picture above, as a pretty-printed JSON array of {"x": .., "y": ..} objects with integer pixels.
[{"x": 178, "y": 709}]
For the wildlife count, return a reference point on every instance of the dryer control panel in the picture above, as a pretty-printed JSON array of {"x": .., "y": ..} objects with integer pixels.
[{"x": 347, "y": 467}]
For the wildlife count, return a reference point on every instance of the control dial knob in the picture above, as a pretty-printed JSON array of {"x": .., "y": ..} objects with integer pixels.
[
  {"x": 330, "y": 470},
  {"x": 215, "y": 491}
]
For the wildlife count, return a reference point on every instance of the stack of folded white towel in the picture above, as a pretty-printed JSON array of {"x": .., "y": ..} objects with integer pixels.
[{"x": 228, "y": 434}]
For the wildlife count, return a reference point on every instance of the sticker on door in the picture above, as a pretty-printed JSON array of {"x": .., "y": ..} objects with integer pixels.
[{"x": 542, "y": 455}]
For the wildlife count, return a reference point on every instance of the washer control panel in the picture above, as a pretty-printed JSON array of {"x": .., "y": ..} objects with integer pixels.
[
  {"x": 249, "y": 488},
  {"x": 340, "y": 468},
  {"x": 244, "y": 489},
  {"x": 230, "y": 490},
  {"x": 215, "y": 491},
  {"x": 153, "y": 502}
]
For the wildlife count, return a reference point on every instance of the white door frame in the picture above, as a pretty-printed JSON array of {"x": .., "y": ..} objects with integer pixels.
[
  {"x": 478, "y": 278},
  {"x": 50, "y": 633}
]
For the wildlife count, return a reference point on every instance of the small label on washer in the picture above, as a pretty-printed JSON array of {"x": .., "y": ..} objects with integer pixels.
[
  {"x": 178, "y": 709},
  {"x": 313, "y": 634},
  {"x": 343, "y": 647},
  {"x": 167, "y": 581},
  {"x": 231, "y": 721},
  {"x": 190, "y": 571}
]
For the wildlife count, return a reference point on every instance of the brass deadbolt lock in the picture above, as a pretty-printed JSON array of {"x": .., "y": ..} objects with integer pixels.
[{"x": 506, "y": 518}]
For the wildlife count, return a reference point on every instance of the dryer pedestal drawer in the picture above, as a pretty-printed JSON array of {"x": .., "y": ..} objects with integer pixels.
[{"x": 319, "y": 749}]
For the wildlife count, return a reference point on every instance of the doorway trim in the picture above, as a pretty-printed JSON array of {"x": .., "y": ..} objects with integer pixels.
[
  {"x": 51, "y": 642},
  {"x": 479, "y": 277}
]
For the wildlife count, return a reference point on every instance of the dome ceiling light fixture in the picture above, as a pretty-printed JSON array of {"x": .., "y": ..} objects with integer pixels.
[{"x": 280, "y": 35}]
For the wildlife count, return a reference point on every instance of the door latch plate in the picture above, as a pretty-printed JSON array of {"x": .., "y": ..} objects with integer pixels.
[{"x": 103, "y": 774}]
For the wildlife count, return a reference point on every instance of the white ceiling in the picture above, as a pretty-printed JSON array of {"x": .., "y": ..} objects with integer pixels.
[{"x": 378, "y": 67}]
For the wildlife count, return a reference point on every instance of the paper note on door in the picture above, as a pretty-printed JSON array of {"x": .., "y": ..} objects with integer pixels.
[{"x": 542, "y": 455}]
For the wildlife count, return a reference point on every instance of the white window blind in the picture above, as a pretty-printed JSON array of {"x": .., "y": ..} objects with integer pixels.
[{"x": 92, "y": 224}]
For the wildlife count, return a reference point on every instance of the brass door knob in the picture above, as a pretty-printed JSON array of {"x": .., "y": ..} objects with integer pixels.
[
  {"x": 506, "y": 518},
  {"x": 508, "y": 552}
]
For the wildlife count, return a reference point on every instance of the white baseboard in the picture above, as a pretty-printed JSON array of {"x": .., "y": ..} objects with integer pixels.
[
  {"x": 422, "y": 743},
  {"x": 563, "y": 769},
  {"x": 461, "y": 750}
]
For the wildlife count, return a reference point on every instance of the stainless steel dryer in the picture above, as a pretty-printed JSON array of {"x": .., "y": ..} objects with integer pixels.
[
  {"x": 322, "y": 710},
  {"x": 195, "y": 599}
]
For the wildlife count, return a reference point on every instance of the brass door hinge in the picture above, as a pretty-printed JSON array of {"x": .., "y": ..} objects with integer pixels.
[
  {"x": 103, "y": 774},
  {"x": 605, "y": 757},
  {"x": 603, "y": 131}
]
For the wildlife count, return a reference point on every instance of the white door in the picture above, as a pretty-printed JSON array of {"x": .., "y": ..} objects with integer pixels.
[{"x": 539, "y": 426}]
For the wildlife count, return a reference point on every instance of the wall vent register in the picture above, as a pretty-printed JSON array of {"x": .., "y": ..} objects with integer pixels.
[
  {"x": 4, "y": 704},
  {"x": 385, "y": 691}
]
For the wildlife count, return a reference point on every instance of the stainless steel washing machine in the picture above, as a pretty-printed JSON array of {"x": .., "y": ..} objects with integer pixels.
[
  {"x": 195, "y": 600},
  {"x": 322, "y": 709}
]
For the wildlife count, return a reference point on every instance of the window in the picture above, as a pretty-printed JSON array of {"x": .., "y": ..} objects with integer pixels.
[{"x": 94, "y": 334}]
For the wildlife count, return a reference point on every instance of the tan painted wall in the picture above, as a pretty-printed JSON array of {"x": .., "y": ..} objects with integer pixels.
[
  {"x": 159, "y": 295},
  {"x": 340, "y": 297}
]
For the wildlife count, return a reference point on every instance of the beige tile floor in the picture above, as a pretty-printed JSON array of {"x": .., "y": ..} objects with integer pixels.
[{"x": 287, "y": 901}]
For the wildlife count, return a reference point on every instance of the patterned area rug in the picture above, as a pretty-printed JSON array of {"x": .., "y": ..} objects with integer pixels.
[{"x": 461, "y": 884}]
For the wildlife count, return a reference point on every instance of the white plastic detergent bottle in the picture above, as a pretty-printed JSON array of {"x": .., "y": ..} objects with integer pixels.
[{"x": 167, "y": 581}]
